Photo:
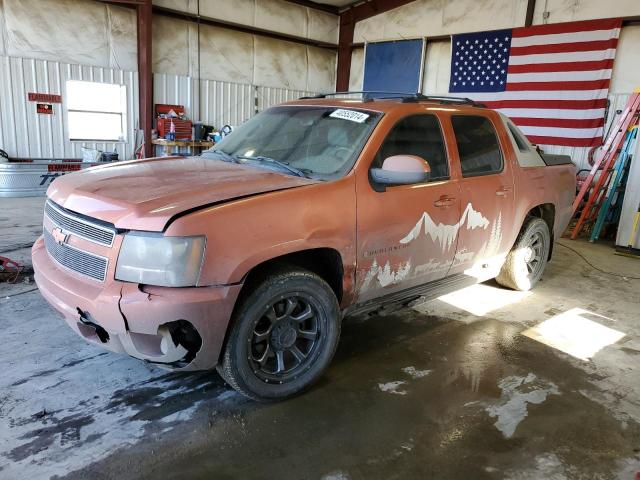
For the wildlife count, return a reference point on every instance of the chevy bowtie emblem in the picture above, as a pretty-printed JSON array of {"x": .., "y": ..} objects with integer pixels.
[{"x": 59, "y": 236}]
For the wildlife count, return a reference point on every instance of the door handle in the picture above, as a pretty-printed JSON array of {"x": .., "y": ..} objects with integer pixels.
[
  {"x": 503, "y": 191},
  {"x": 444, "y": 201}
]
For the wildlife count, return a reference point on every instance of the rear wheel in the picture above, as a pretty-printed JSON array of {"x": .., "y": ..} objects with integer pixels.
[
  {"x": 527, "y": 259},
  {"x": 283, "y": 336}
]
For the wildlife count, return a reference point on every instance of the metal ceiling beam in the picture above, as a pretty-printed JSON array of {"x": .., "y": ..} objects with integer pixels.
[
  {"x": 214, "y": 22},
  {"x": 348, "y": 20},
  {"x": 317, "y": 6}
]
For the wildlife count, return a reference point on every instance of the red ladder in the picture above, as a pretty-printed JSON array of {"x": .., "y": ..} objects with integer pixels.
[{"x": 605, "y": 158}]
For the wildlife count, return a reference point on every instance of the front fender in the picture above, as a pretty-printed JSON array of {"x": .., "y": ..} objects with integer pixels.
[{"x": 244, "y": 233}]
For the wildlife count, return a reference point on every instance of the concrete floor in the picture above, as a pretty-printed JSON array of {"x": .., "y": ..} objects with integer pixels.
[{"x": 451, "y": 388}]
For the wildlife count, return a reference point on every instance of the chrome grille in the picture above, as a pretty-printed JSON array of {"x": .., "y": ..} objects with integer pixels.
[
  {"x": 85, "y": 263},
  {"x": 79, "y": 226}
]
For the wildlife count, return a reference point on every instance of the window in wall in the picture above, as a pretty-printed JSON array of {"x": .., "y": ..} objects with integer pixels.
[
  {"x": 418, "y": 135},
  {"x": 96, "y": 111},
  {"x": 478, "y": 145}
]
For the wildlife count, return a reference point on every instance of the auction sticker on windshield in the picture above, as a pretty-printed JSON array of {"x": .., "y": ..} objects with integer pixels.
[{"x": 350, "y": 115}]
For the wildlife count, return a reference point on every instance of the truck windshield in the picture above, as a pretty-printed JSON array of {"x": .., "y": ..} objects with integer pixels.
[{"x": 318, "y": 142}]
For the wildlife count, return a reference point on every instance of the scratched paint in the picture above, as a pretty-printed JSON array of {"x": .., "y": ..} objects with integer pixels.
[
  {"x": 431, "y": 266},
  {"x": 446, "y": 234},
  {"x": 440, "y": 233},
  {"x": 385, "y": 275},
  {"x": 462, "y": 256}
]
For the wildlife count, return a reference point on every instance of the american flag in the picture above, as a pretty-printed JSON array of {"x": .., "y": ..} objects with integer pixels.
[{"x": 551, "y": 80}]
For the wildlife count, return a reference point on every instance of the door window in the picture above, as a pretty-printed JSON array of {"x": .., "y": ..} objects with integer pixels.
[
  {"x": 418, "y": 135},
  {"x": 478, "y": 145}
]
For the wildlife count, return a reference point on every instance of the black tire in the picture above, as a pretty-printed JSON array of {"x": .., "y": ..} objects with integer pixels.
[
  {"x": 261, "y": 359},
  {"x": 527, "y": 259}
]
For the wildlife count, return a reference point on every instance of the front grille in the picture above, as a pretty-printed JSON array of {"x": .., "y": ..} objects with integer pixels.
[
  {"x": 79, "y": 226},
  {"x": 85, "y": 263}
]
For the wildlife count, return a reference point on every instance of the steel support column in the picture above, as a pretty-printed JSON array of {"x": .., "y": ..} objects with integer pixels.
[
  {"x": 348, "y": 20},
  {"x": 531, "y": 8},
  {"x": 145, "y": 74}
]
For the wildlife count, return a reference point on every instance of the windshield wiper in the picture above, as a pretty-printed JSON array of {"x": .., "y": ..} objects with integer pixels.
[
  {"x": 285, "y": 165},
  {"x": 226, "y": 157}
]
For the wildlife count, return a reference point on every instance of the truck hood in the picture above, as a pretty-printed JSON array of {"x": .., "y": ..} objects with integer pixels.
[{"x": 146, "y": 194}]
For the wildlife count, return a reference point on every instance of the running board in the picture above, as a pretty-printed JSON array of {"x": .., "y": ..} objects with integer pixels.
[{"x": 429, "y": 291}]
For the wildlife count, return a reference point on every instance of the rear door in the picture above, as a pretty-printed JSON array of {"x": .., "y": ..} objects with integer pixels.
[
  {"x": 487, "y": 195},
  {"x": 404, "y": 232}
]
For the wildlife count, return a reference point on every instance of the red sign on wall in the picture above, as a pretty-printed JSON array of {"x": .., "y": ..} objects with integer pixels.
[
  {"x": 45, "y": 108},
  {"x": 44, "y": 97},
  {"x": 63, "y": 167}
]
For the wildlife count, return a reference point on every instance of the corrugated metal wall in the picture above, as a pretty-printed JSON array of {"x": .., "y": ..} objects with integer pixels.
[
  {"x": 175, "y": 90},
  {"x": 269, "y": 96},
  {"x": 219, "y": 103},
  {"x": 26, "y": 134},
  {"x": 225, "y": 103}
]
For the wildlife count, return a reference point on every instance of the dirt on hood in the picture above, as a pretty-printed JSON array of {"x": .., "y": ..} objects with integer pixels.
[{"x": 146, "y": 194}]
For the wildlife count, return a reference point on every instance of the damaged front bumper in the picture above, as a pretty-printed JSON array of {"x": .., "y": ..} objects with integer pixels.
[{"x": 173, "y": 327}]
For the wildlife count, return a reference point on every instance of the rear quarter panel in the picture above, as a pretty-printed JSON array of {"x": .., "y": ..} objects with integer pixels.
[
  {"x": 538, "y": 185},
  {"x": 550, "y": 184}
]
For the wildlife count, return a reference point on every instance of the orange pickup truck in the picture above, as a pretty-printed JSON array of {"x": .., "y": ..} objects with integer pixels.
[{"x": 248, "y": 257}]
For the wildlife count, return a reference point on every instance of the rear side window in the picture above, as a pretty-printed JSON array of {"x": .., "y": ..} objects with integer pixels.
[
  {"x": 522, "y": 144},
  {"x": 478, "y": 145},
  {"x": 418, "y": 135}
]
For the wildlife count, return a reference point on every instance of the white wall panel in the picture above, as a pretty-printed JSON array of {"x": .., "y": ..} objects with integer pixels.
[
  {"x": 280, "y": 64},
  {"x": 171, "y": 46},
  {"x": 357, "y": 70},
  {"x": 321, "y": 70},
  {"x": 26, "y": 134},
  {"x": 225, "y": 55},
  {"x": 277, "y": 15},
  {"x": 441, "y": 17},
  {"x": 226, "y": 103},
  {"x": 219, "y": 103},
  {"x": 238, "y": 57},
  {"x": 281, "y": 16},
  {"x": 323, "y": 26},
  {"x": 121, "y": 38},
  {"x": 3, "y": 28},
  {"x": 437, "y": 68},
  {"x": 572, "y": 10},
  {"x": 243, "y": 11},
  {"x": 626, "y": 68},
  {"x": 72, "y": 31},
  {"x": 630, "y": 204},
  {"x": 269, "y": 96},
  {"x": 176, "y": 90}
]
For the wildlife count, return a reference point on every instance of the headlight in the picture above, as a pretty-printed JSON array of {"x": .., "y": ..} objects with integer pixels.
[{"x": 153, "y": 259}]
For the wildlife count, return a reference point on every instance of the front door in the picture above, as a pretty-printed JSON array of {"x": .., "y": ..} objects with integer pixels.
[
  {"x": 487, "y": 201},
  {"x": 407, "y": 234}
]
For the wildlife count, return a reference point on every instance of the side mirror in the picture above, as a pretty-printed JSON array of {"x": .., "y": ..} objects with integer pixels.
[{"x": 402, "y": 170}]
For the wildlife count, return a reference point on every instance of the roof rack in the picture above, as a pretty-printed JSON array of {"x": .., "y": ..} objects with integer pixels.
[{"x": 371, "y": 95}]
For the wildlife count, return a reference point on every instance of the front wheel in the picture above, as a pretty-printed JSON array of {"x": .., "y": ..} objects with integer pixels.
[
  {"x": 283, "y": 336},
  {"x": 527, "y": 259}
]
